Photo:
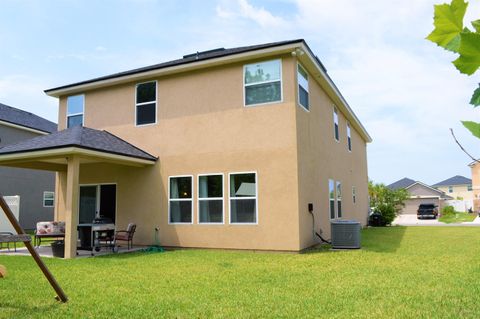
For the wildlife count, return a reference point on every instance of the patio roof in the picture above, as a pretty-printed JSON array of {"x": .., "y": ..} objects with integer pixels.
[
  {"x": 65, "y": 152},
  {"x": 48, "y": 151}
]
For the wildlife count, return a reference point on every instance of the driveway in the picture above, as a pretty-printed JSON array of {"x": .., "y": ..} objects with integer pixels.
[{"x": 411, "y": 220}]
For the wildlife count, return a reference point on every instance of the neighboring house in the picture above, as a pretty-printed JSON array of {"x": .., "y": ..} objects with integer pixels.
[
  {"x": 458, "y": 187},
  {"x": 35, "y": 188},
  {"x": 220, "y": 149},
  {"x": 420, "y": 193},
  {"x": 475, "y": 167}
]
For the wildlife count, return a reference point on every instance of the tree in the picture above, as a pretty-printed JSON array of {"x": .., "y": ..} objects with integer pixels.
[
  {"x": 385, "y": 201},
  {"x": 450, "y": 34}
]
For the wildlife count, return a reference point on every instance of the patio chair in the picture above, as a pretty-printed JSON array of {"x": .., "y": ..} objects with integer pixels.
[{"x": 125, "y": 235}]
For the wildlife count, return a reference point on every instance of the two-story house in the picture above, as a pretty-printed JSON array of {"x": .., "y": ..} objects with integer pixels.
[
  {"x": 219, "y": 149},
  {"x": 475, "y": 168},
  {"x": 459, "y": 187},
  {"x": 35, "y": 188}
]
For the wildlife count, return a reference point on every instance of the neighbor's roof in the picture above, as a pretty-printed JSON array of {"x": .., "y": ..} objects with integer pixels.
[
  {"x": 402, "y": 183},
  {"x": 26, "y": 119},
  {"x": 455, "y": 180},
  {"x": 81, "y": 137},
  {"x": 221, "y": 56}
]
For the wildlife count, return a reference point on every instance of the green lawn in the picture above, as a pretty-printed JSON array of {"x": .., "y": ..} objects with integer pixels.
[
  {"x": 457, "y": 218},
  {"x": 401, "y": 272}
]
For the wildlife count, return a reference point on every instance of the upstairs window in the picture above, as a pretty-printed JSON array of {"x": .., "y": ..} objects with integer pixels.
[
  {"x": 75, "y": 106},
  {"x": 263, "y": 82},
  {"x": 146, "y": 103},
  {"x": 450, "y": 189},
  {"x": 349, "y": 138},
  {"x": 469, "y": 188},
  {"x": 354, "y": 194},
  {"x": 302, "y": 78},
  {"x": 335, "y": 123}
]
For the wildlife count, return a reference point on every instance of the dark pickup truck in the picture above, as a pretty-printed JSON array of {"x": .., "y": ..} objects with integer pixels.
[{"x": 427, "y": 211}]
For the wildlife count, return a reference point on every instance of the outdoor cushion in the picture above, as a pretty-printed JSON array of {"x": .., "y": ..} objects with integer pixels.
[{"x": 50, "y": 228}]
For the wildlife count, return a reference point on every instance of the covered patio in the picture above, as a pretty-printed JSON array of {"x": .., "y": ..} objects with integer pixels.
[
  {"x": 46, "y": 251},
  {"x": 67, "y": 152}
]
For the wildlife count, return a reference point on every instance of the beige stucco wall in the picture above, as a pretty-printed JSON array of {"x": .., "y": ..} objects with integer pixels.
[
  {"x": 458, "y": 192},
  {"x": 476, "y": 186},
  {"x": 320, "y": 158},
  {"x": 203, "y": 127}
]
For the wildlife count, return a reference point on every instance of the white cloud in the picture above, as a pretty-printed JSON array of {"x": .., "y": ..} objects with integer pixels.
[
  {"x": 100, "y": 48},
  {"x": 26, "y": 93},
  {"x": 243, "y": 9}
]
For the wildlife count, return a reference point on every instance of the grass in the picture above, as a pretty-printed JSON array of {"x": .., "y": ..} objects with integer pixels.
[
  {"x": 457, "y": 218},
  {"x": 400, "y": 272}
]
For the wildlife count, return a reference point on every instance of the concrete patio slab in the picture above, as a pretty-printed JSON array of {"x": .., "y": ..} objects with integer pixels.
[{"x": 46, "y": 251}]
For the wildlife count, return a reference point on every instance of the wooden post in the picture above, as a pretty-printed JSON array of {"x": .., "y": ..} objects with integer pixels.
[
  {"x": 71, "y": 207},
  {"x": 6, "y": 209}
]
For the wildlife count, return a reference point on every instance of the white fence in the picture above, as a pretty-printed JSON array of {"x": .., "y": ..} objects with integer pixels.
[
  {"x": 460, "y": 205},
  {"x": 14, "y": 203}
]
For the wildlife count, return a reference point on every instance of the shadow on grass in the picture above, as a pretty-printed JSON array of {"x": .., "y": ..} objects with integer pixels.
[
  {"x": 317, "y": 249},
  {"x": 377, "y": 239},
  {"x": 383, "y": 239},
  {"x": 129, "y": 255}
]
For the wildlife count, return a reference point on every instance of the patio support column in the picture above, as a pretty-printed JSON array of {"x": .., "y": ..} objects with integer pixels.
[{"x": 71, "y": 206}]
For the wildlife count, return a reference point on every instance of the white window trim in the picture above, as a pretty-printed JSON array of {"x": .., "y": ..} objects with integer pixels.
[
  {"x": 336, "y": 121},
  {"x": 210, "y": 198},
  {"x": 298, "y": 90},
  {"x": 338, "y": 199},
  {"x": 263, "y": 82},
  {"x": 48, "y": 192},
  {"x": 230, "y": 198},
  {"x": 145, "y": 103},
  {"x": 76, "y": 114},
  {"x": 349, "y": 137},
  {"x": 180, "y": 200},
  {"x": 330, "y": 200}
]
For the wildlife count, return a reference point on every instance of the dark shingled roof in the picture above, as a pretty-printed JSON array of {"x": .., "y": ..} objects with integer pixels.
[
  {"x": 455, "y": 180},
  {"x": 15, "y": 116},
  {"x": 402, "y": 183},
  {"x": 82, "y": 137},
  {"x": 189, "y": 58}
]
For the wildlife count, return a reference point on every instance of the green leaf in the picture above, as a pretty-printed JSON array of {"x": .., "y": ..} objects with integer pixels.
[
  {"x": 473, "y": 127},
  {"x": 475, "y": 101},
  {"x": 469, "y": 60},
  {"x": 476, "y": 25},
  {"x": 448, "y": 22}
]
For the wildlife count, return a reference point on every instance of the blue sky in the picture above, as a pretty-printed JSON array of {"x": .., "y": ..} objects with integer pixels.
[{"x": 402, "y": 87}]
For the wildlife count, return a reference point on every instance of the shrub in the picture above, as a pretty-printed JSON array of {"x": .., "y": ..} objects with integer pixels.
[
  {"x": 448, "y": 210},
  {"x": 387, "y": 211}
]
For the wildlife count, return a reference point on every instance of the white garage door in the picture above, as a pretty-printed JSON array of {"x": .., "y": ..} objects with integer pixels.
[{"x": 411, "y": 205}]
